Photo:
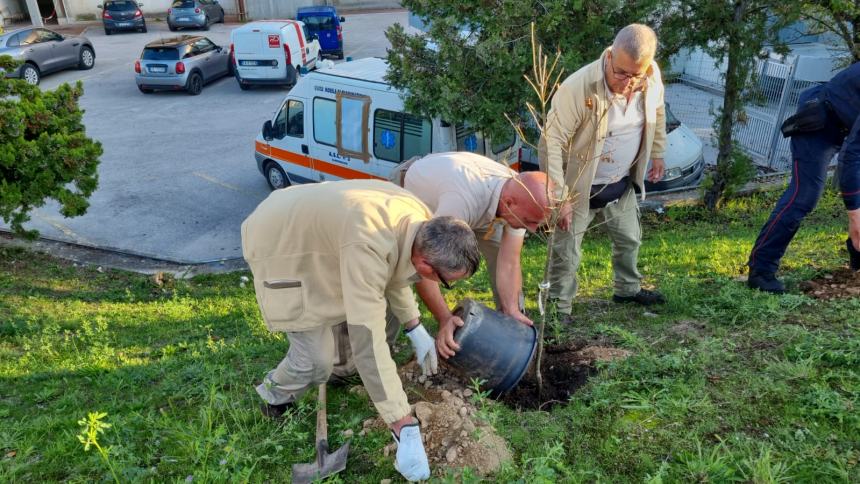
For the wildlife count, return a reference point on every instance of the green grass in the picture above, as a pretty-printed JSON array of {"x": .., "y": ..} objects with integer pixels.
[{"x": 762, "y": 389}]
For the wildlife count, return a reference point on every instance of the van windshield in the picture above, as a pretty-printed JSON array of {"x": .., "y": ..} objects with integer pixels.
[
  {"x": 160, "y": 53},
  {"x": 318, "y": 22}
]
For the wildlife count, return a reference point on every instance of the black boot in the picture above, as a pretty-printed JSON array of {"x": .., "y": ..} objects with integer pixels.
[
  {"x": 765, "y": 282},
  {"x": 276, "y": 412},
  {"x": 643, "y": 298},
  {"x": 853, "y": 255}
]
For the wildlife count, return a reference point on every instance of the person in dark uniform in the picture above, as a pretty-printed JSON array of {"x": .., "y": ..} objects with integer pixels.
[{"x": 827, "y": 122}]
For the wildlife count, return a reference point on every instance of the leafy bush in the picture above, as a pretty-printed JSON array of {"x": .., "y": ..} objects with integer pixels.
[{"x": 44, "y": 151}]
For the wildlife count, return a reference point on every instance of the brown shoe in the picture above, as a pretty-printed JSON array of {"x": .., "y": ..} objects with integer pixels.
[{"x": 276, "y": 412}]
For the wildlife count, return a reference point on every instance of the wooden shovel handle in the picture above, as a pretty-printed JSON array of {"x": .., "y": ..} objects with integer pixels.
[{"x": 322, "y": 423}]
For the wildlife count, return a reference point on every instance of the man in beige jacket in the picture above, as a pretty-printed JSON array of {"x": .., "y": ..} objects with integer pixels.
[
  {"x": 607, "y": 120},
  {"x": 332, "y": 252}
]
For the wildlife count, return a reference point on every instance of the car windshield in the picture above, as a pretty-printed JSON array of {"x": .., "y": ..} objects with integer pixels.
[
  {"x": 121, "y": 5},
  {"x": 672, "y": 122},
  {"x": 160, "y": 53},
  {"x": 318, "y": 22},
  {"x": 183, "y": 4}
]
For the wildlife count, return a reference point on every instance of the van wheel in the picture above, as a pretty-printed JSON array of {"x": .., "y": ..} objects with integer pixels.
[
  {"x": 194, "y": 84},
  {"x": 276, "y": 177},
  {"x": 243, "y": 86},
  {"x": 339, "y": 54}
]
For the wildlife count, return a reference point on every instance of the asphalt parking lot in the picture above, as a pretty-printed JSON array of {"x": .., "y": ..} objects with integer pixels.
[{"x": 177, "y": 176}]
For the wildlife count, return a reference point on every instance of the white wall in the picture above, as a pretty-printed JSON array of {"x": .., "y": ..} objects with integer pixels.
[
  {"x": 150, "y": 7},
  {"x": 12, "y": 10}
]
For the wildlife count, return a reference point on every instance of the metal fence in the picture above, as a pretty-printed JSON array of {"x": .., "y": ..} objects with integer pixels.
[{"x": 696, "y": 95}]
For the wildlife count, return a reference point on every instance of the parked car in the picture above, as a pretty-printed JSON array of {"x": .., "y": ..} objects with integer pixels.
[
  {"x": 186, "y": 62},
  {"x": 685, "y": 161},
  {"x": 194, "y": 13},
  {"x": 324, "y": 22},
  {"x": 272, "y": 52},
  {"x": 122, "y": 15},
  {"x": 43, "y": 51}
]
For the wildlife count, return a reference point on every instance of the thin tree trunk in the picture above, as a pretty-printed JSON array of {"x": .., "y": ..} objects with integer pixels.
[{"x": 734, "y": 84}]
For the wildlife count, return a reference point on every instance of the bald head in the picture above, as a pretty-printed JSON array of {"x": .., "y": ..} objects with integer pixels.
[
  {"x": 523, "y": 202},
  {"x": 638, "y": 41}
]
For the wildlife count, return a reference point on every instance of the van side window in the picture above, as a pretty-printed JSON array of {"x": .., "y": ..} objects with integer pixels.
[
  {"x": 290, "y": 120},
  {"x": 504, "y": 143},
  {"x": 470, "y": 139},
  {"x": 325, "y": 127},
  {"x": 400, "y": 136},
  {"x": 352, "y": 113}
]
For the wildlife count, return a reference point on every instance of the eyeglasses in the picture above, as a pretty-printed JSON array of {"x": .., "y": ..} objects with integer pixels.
[
  {"x": 623, "y": 76},
  {"x": 442, "y": 279}
]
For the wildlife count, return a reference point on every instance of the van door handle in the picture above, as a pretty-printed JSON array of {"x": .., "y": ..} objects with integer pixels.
[{"x": 305, "y": 149}]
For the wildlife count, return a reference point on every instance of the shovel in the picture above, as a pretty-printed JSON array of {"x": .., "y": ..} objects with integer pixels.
[{"x": 326, "y": 464}]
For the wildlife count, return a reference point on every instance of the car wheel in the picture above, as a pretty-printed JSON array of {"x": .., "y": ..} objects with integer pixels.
[
  {"x": 222, "y": 16},
  {"x": 194, "y": 84},
  {"x": 276, "y": 177},
  {"x": 87, "y": 58},
  {"x": 143, "y": 29},
  {"x": 30, "y": 73},
  {"x": 205, "y": 24},
  {"x": 145, "y": 90},
  {"x": 171, "y": 27},
  {"x": 108, "y": 31}
]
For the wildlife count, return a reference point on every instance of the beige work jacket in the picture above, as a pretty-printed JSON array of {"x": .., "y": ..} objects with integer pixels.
[
  {"x": 576, "y": 127},
  {"x": 331, "y": 252}
]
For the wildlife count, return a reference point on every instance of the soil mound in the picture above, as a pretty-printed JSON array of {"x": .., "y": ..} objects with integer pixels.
[{"x": 842, "y": 283}]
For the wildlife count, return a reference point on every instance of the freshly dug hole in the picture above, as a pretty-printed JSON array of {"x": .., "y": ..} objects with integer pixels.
[{"x": 565, "y": 368}]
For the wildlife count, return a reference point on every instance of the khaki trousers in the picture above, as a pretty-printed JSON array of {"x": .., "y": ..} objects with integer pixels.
[
  {"x": 622, "y": 223},
  {"x": 308, "y": 363}
]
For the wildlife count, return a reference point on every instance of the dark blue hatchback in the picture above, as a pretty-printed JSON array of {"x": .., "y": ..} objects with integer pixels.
[
  {"x": 122, "y": 15},
  {"x": 323, "y": 22}
]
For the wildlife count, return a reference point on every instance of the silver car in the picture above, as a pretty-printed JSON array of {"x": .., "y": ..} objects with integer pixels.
[
  {"x": 184, "y": 62},
  {"x": 194, "y": 13},
  {"x": 43, "y": 51}
]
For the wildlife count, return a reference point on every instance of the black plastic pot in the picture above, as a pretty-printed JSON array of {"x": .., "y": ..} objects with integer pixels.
[{"x": 493, "y": 347}]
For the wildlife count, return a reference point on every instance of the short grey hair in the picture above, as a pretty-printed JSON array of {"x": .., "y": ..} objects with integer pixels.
[
  {"x": 637, "y": 40},
  {"x": 448, "y": 245}
]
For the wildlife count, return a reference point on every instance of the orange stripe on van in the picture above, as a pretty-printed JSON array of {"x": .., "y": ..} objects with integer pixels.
[{"x": 313, "y": 163}]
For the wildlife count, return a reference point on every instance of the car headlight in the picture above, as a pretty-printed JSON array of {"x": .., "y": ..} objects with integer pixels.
[{"x": 671, "y": 174}]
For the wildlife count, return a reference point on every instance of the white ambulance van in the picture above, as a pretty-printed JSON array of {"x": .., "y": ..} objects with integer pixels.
[
  {"x": 272, "y": 52},
  {"x": 347, "y": 122}
]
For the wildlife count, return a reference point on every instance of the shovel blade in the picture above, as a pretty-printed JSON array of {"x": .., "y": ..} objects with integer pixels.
[{"x": 325, "y": 466}]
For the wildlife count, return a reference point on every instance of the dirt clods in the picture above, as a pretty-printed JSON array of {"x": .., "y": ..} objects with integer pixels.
[
  {"x": 842, "y": 283},
  {"x": 454, "y": 435}
]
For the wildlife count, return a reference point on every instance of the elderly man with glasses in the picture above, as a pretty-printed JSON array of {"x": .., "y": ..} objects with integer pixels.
[
  {"x": 606, "y": 122},
  {"x": 349, "y": 251}
]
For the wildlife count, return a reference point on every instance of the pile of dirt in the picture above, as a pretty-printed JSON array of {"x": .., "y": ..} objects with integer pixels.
[
  {"x": 454, "y": 435},
  {"x": 842, "y": 283},
  {"x": 564, "y": 369}
]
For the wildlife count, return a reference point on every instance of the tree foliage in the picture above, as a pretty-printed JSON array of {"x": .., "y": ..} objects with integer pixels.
[
  {"x": 734, "y": 31},
  {"x": 840, "y": 17},
  {"x": 469, "y": 66},
  {"x": 44, "y": 151}
]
